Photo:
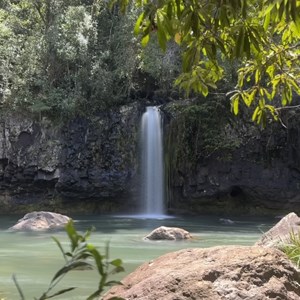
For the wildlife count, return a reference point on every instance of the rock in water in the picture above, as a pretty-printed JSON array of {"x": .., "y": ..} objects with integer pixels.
[
  {"x": 226, "y": 221},
  {"x": 280, "y": 233},
  {"x": 226, "y": 272},
  {"x": 168, "y": 233},
  {"x": 41, "y": 220}
]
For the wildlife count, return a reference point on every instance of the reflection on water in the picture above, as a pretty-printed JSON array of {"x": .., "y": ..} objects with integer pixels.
[{"x": 34, "y": 257}]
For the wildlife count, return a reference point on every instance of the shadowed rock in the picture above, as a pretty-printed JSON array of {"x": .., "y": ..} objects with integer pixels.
[
  {"x": 280, "y": 233},
  {"x": 168, "y": 233},
  {"x": 228, "y": 272},
  {"x": 41, "y": 220},
  {"x": 226, "y": 221}
]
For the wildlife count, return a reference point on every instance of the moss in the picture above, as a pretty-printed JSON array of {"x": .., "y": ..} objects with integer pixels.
[{"x": 200, "y": 130}]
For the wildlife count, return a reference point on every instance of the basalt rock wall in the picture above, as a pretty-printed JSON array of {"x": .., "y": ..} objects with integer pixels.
[
  {"x": 80, "y": 165},
  {"x": 214, "y": 161},
  {"x": 246, "y": 169}
]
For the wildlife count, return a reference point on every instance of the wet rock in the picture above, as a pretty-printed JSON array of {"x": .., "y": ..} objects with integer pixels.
[
  {"x": 92, "y": 158},
  {"x": 228, "y": 272},
  {"x": 41, "y": 220},
  {"x": 251, "y": 171},
  {"x": 280, "y": 232},
  {"x": 226, "y": 221},
  {"x": 168, "y": 233}
]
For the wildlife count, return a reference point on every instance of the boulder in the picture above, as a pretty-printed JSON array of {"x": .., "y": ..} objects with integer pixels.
[
  {"x": 226, "y": 221},
  {"x": 225, "y": 272},
  {"x": 168, "y": 233},
  {"x": 41, "y": 220},
  {"x": 280, "y": 233}
]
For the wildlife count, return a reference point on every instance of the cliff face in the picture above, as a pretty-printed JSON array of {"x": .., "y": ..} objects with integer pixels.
[
  {"x": 214, "y": 163},
  {"x": 47, "y": 166},
  {"x": 248, "y": 170}
]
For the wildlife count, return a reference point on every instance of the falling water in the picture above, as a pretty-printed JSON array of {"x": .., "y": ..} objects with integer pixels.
[{"x": 152, "y": 163}]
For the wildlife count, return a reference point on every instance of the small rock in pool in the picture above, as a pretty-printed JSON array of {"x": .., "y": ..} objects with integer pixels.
[
  {"x": 168, "y": 233},
  {"x": 226, "y": 221},
  {"x": 40, "y": 220}
]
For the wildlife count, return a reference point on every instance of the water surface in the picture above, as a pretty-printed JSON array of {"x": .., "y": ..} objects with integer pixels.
[{"x": 34, "y": 257}]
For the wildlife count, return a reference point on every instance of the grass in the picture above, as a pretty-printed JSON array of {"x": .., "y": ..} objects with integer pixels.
[{"x": 292, "y": 248}]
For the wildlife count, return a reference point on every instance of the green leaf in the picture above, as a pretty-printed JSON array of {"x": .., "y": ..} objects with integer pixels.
[
  {"x": 254, "y": 38},
  {"x": 162, "y": 39},
  {"x": 113, "y": 282},
  {"x": 295, "y": 85},
  {"x": 145, "y": 40},
  {"x": 61, "y": 292},
  {"x": 249, "y": 98},
  {"x": 235, "y": 103},
  {"x": 273, "y": 111},
  {"x": 98, "y": 259},
  {"x": 270, "y": 71},
  {"x": 255, "y": 113},
  {"x": 257, "y": 76},
  {"x": 60, "y": 247},
  {"x": 116, "y": 262},
  {"x": 138, "y": 23},
  {"x": 239, "y": 47},
  {"x": 203, "y": 89},
  {"x": 267, "y": 21},
  {"x": 72, "y": 234},
  {"x": 18, "y": 287},
  {"x": 70, "y": 267},
  {"x": 247, "y": 45}
]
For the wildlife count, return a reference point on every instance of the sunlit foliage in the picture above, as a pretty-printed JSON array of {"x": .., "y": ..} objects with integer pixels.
[{"x": 262, "y": 35}]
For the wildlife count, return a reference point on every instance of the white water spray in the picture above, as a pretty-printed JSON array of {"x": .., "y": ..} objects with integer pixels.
[{"x": 152, "y": 163}]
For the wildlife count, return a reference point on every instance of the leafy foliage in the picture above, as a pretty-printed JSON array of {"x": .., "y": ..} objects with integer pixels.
[
  {"x": 262, "y": 35},
  {"x": 62, "y": 58},
  {"x": 79, "y": 256}
]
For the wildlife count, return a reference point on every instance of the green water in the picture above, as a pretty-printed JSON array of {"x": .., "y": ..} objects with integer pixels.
[{"x": 34, "y": 257}]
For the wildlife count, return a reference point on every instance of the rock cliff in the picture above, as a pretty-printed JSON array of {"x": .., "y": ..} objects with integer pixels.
[
  {"x": 220, "y": 163},
  {"x": 47, "y": 166},
  {"x": 214, "y": 162}
]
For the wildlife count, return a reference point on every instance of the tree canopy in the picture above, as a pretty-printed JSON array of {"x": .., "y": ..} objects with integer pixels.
[
  {"x": 65, "y": 56},
  {"x": 262, "y": 36},
  {"x": 60, "y": 58}
]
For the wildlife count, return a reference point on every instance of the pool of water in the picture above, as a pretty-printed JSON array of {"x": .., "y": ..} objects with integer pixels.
[{"x": 34, "y": 257}]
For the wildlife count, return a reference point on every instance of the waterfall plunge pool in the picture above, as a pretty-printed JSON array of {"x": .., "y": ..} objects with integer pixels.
[{"x": 34, "y": 257}]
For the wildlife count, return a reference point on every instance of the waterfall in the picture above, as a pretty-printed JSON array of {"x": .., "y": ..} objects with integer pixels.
[{"x": 152, "y": 163}]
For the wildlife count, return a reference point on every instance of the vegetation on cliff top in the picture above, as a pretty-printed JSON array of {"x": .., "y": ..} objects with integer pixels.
[
  {"x": 62, "y": 58},
  {"x": 68, "y": 57}
]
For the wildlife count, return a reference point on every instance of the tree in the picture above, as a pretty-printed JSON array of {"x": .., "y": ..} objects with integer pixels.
[
  {"x": 263, "y": 36},
  {"x": 63, "y": 57}
]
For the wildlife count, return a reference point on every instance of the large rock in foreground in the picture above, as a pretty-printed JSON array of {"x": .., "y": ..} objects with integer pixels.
[
  {"x": 41, "y": 220},
  {"x": 228, "y": 272},
  {"x": 280, "y": 233},
  {"x": 168, "y": 233}
]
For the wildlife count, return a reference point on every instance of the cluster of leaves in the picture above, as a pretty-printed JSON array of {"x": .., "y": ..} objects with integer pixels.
[
  {"x": 292, "y": 248},
  {"x": 80, "y": 256},
  {"x": 262, "y": 35}
]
